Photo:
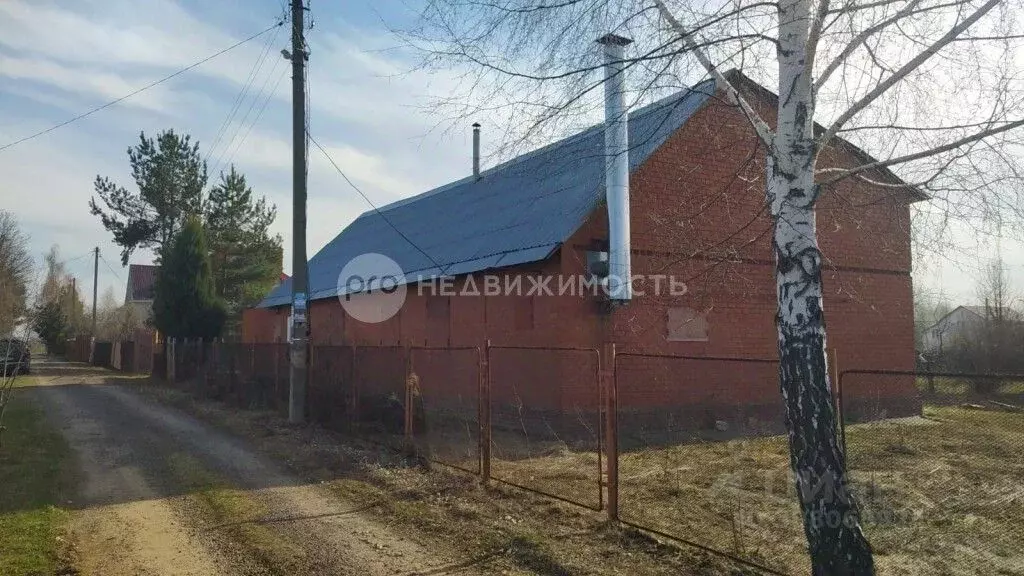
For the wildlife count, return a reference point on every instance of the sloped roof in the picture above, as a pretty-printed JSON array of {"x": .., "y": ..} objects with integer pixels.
[
  {"x": 141, "y": 280},
  {"x": 979, "y": 310},
  {"x": 517, "y": 212}
]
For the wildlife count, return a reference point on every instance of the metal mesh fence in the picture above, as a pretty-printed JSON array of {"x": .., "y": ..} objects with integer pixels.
[
  {"x": 445, "y": 396},
  {"x": 545, "y": 421},
  {"x": 699, "y": 454},
  {"x": 702, "y": 458},
  {"x": 379, "y": 398},
  {"x": 331, "y": 394},
  {"x": 939, "y": 486}
]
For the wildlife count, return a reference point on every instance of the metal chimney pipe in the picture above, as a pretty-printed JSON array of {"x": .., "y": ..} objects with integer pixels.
[
  {"x": 616, "y": 144},
  {"x": 476, "y": 150}
]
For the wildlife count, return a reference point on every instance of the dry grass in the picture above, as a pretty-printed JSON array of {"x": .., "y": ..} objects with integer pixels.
[
  {"x": 503, "y": 530},
  {"x": 940, "y": 494}
]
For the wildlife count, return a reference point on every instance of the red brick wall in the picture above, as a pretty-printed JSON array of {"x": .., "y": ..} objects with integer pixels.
[{"x": 696, "y": 213}]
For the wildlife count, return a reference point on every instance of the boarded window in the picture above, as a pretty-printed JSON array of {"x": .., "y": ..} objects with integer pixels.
[{"x": 687, "y": 325}]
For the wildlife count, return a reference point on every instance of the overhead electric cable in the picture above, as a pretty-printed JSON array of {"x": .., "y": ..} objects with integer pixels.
[{"x": 139, "y": 91}]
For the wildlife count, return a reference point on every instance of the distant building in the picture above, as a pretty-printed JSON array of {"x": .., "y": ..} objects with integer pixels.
[
  {"x": 963, "y": 323},
  {"x": 141, "y": 289}
]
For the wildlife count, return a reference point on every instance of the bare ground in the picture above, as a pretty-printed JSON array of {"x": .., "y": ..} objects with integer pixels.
[{"x": 163, "y": 493}]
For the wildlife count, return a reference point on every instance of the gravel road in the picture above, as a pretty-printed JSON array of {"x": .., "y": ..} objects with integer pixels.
[{"x": 134, "y": 515}]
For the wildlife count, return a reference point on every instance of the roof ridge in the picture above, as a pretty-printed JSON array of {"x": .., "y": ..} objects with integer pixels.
[
  {"x": 518, "y": 213},
  {"x": 586, "y": 132}
]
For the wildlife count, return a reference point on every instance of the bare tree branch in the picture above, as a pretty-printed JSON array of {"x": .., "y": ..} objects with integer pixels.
[
  {"x": 845, "y": 173},
  {"x": 760, "y": 127},
  {"x": 904, "y": 70}
]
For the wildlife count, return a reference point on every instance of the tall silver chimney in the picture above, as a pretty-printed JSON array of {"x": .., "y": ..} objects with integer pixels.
[
  {"x": 476, "y": 150},
  {"x": 616, "y": 144}
]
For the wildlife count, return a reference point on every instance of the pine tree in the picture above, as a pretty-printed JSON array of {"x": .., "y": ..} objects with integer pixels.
[
  {"x": 170, "y": 176},
  {"x": 185, "y": 303},
  {"x": 246, "y": 258}
]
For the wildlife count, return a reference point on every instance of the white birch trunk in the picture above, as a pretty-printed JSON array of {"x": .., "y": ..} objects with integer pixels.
[{"x": 836, "y": 543}]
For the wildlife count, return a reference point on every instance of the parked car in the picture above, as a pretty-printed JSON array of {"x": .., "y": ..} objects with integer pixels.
[{"x": 15, "y": 356}]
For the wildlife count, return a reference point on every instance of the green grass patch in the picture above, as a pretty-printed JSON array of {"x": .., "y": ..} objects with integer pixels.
[{"x": 35, "y": 479}]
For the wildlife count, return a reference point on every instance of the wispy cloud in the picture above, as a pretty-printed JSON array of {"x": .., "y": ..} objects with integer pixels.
[{"x": 58, "y": 59}]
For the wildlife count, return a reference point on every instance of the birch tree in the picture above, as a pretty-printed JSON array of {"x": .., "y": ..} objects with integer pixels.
[{"x": 931, "y": 88}]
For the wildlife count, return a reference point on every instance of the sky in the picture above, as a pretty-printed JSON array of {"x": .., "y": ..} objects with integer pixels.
[
  {"x": 369, "y": 108},
  {"x": 59, "y": 59}
]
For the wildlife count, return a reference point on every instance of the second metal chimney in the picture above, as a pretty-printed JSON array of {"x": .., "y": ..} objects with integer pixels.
[
  {"x": 476, "y": 150},
  {"x": 616, "y": 143}
]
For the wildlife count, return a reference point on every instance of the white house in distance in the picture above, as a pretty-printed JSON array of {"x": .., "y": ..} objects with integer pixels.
[
  {"x": 953, "y": 327},
  {"x": 140, "y": 290}
]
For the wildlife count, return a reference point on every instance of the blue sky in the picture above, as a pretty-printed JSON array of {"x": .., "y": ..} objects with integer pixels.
[{"x": 59, "y": 59}]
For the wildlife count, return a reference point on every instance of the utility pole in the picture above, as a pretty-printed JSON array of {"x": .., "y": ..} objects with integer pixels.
[
  {"x": 299, "y": 345},
  {"x": 95, "y": 276}
]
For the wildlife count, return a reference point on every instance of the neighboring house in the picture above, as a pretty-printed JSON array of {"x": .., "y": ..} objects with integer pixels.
[
  {"x": 139, "y": 292},
  {"x": 962, "y": 323},
  {"x": 692, "y": 218}
]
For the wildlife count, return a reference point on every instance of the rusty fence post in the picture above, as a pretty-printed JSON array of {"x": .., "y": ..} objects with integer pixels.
[
  {"x": 354, "y": 416},
  {"x": 484, "y": 412},
  {"x": 611, "y": 429},
  {"x": 277, "y": 377},
  {"x": 408, "y": 412}
]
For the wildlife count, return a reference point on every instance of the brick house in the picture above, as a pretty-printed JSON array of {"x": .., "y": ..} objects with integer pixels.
[{"x": 696, "y": 213}]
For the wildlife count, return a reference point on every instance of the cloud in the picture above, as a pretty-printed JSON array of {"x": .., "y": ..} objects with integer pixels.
[
  {"x": 75, "y": 80},
  {"x": 61, "y": 59}
]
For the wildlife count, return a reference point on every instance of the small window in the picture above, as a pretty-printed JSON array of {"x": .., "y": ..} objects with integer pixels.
[{"x": 687, "y": 325}]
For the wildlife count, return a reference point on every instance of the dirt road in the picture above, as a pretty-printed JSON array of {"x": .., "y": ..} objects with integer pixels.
[{"x": 163, "y": 494}]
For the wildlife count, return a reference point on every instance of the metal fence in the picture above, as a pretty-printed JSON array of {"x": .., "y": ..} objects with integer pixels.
[
  {"x": 698, "y": 442},
  {"x": 690, "y": 448},
  {"x": 545, "y": 421},
  {"x": 938, "y": 482}
]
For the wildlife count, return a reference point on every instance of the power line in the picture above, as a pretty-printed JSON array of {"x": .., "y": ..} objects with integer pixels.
[
  {"x": 70, "y": 260},
  {"x": 140, "y": 90},
  {"x": 372, "y": 205},
  {"x": 241, "y": 101},
  {"x": 253, "y": 72},
  {"x": 227, "y": 151},
  {"x": 109, "y": 267},
  {"x": 259, "y": 114}
]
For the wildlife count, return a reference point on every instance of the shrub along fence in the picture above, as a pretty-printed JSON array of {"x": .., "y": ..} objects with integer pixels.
[{"x": 689, "y": 448}]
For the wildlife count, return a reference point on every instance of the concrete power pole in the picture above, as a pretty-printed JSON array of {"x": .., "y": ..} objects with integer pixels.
[
  {"x": 95, "y": 276},
  {"x": 298, "y": 372}
]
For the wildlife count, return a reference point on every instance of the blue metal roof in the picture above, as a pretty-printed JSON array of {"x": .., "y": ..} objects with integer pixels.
[{"x": 517, "y": 212}]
